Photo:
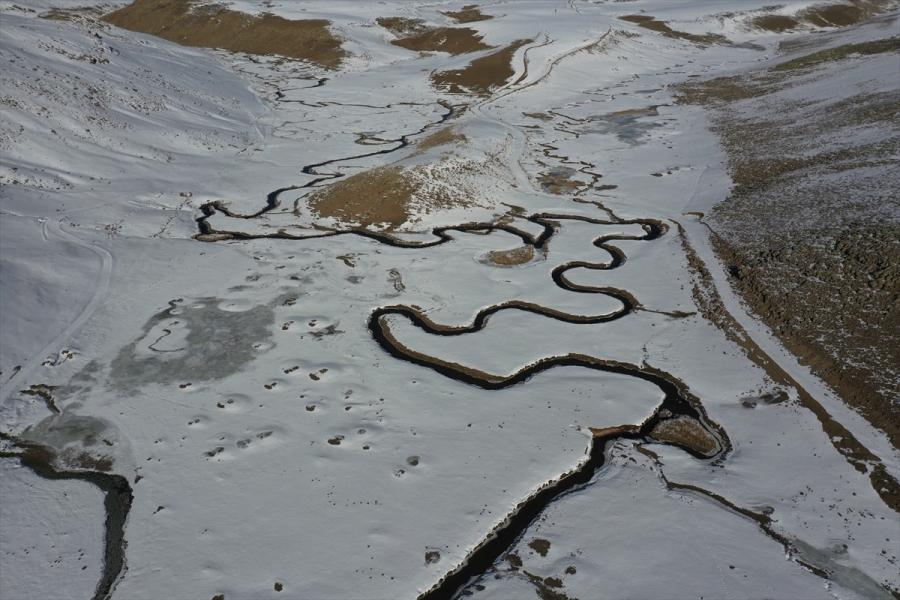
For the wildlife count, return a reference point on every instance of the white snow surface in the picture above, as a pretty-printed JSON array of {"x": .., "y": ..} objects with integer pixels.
[{"x": 270, "y": 440}]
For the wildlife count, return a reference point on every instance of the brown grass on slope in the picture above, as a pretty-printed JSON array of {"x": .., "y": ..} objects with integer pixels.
[
  {"x": 214, "y": 26},
  {"x": 482, "y": 74}
]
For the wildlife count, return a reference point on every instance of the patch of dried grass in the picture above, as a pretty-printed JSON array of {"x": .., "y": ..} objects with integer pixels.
[
  {"x": 775, "y": 23},
  {"x": 722, "y": 90},
  {"x": 810, "y": 229},
  {"x": 482, "y": 74},
  {"x": 824, "y": 15},
  {"x": 72, "y": 14},
  {"x": 514, "y": 256},
  {"x": 468, "y": 14},
  {"x": 891, "y": 44},
  {"x": 558, "y": 182},
  {"x": 648, "y": 22},
  {"x": 214, "y": 26},
  {"x": 402, "y": 26},
  {"x": 686, "y": 432},
  {"x": 442, "y": 137},
  {"x": 380, "y": 195},
  {"x": 452, "y": 40}
]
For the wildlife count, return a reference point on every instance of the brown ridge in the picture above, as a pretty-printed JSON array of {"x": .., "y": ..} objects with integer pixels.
[
  {"x": 468, "y": 14},
  {"x": 452, "y": 40},
  {"x": 214, "y": 26},
  {"x": 482, "y": 74}
]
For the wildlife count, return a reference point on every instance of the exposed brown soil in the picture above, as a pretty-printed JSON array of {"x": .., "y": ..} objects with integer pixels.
[
  {"x": 385, "y": 198},
  {"x": 482, "y": 74},
  {"x": 389, "y": 196},
  {"x": 834, "y": 304},
  {"x": 214, "y": 26},
  {"x": 453, "y": 40},
  {"x": 833, "y": 15},
  {"x": 711, "y": 307},
  {"x": 823, "y": 15},
  {"x": 402, "y": 26},
  {"x": 468, "y": 14},
  {"x": 648, "y": 22},
  {"x": 72, "y": 14},
  {"x": 687, "y": 432},
  {"x": 515, "y": 256},
  {"x": 558, "y": 182},
  {"x": 608, "y": 432},
  {"x": 811, "y": 230},
  {"x": 724, "y": 90},
  {"x": 775, "y": 23},
  {"x": 891, "y": 44},
  {"x": 541, "y": 116},
  {"x": 381, "y": 195},
  {"x": 442, "y": 137}
]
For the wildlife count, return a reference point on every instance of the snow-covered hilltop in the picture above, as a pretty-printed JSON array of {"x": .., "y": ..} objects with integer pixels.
[{"x": 389, "y": 300}]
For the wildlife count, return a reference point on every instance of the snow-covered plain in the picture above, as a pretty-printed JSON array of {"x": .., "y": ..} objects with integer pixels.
[{"x": 273, "y": 447}]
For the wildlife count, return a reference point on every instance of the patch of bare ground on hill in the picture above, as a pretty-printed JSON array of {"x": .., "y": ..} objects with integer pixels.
[
  {"x": 215, "y": 26},
  {"x": 393, "y": 195},
  {"x": 468, "y": 14},
  {"x": 811, "y": 230},
  {"x": 482, "y": 75},
  {"x": 850, "y": 12},
  {"x": 415, "y": 35}
]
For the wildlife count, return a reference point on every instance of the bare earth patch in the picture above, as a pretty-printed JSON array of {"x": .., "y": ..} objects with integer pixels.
[
  {"x": 214, "y": 26},
  {"x": 482, "y": 74},
  {"x": 558, "y": 181},
  {"x": 515, "y": 256},
  {"x": 415, "y": 35},
  {"x": 444, "y": 39},
  {"x": 823, "y": 15},
  {"x": 386, "y": 198},
  {"x": 381, "y": 195},
  {"x": 686, "y": 432},
  {"x": 403, "y": 26},
  {"x": 648, "y": 22},
  {"x": 468, "y": 14},
  {"x": 811, "y": 231}
]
